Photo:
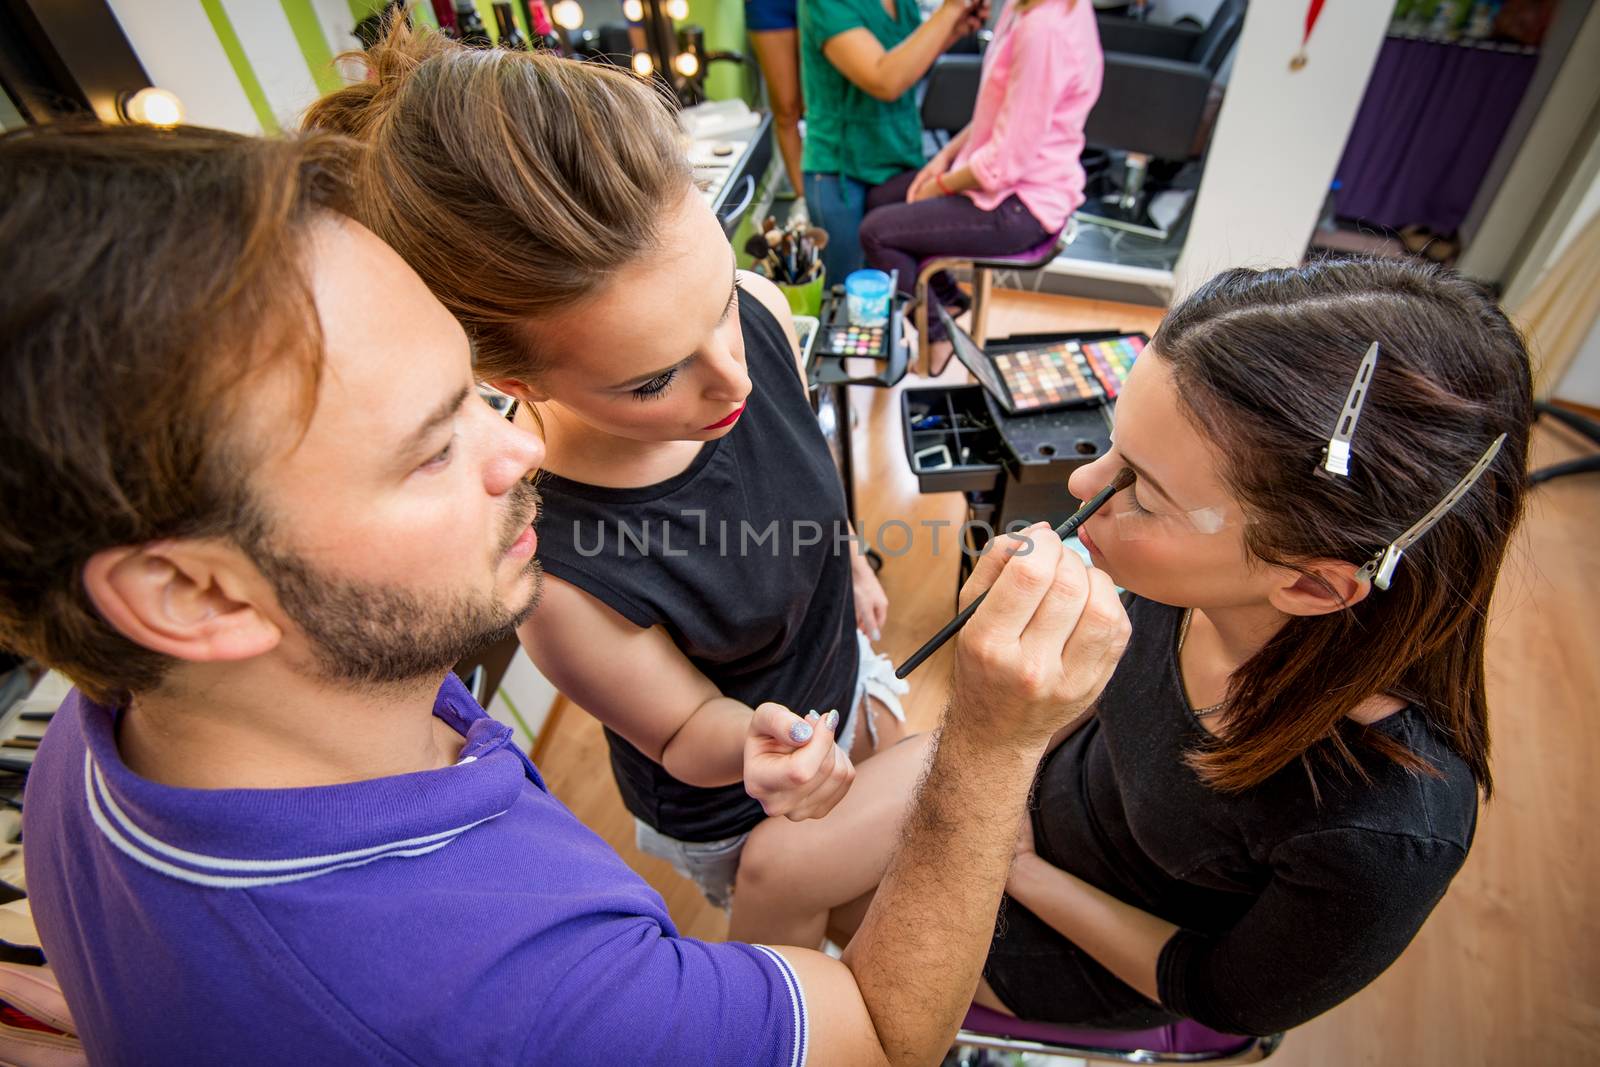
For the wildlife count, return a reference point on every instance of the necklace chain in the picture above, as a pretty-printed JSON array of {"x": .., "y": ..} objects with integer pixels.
[{"x": 1183, "y": 635}]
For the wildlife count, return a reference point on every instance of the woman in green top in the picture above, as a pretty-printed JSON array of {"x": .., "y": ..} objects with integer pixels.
[{"x": 859, "y": 60}]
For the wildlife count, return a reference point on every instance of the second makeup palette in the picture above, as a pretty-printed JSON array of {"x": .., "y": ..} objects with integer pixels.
[{"x": 868, "y": 341}]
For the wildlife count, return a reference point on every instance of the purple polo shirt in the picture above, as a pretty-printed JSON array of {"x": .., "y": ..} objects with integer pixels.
[{"x": 460, "y": 915}]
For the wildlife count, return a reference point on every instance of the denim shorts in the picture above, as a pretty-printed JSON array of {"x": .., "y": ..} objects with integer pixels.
[{"x": 713, "y": 865}]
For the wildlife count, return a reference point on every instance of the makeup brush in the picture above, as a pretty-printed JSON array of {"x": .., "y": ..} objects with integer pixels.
[{"x": 1064, "y": 531}]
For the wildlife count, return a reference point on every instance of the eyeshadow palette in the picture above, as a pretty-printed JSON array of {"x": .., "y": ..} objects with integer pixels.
[
  {"x": 1050, "y": 374},
  {"x": 867, "y": 341},
  {"x": 1048, "y": 377},
  {"x": 1112, "y": 360}
]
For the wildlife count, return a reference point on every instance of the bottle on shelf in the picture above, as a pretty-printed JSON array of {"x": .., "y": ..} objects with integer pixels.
[
  {"x": 510, "y": 33},
  {"x": 469, "y": 26},
  {"x": 444, "y": 13},
  {"x": 540, "y": 26}
]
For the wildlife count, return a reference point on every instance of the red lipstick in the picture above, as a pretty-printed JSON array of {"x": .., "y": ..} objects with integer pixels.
[
  {"x": 1088, "y": 542},
  {"x": 729, "y": 421}
]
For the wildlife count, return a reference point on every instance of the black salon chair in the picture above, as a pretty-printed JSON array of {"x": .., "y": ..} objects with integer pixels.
[
  {"x": 952, "y": 93},
  {"x": 1153, "y": 101},
  {"x": 1587, "y": 427}
]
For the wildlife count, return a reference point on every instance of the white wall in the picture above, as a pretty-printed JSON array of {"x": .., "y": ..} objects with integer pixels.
[
  {"x": 337, "y": 22},
  {"x": 275, "y": 56},
  {"x": 1280, "y": 135},
  {"x": 180, "y": 52}
]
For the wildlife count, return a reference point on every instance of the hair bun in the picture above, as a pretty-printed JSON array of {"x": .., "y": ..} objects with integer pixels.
[{"x": 388, "y": 66}]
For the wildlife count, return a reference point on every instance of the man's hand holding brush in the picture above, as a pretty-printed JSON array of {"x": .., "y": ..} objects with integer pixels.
[{"x": 1043, "y": 643}]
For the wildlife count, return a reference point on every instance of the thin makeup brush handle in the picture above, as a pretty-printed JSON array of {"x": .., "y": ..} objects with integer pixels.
[
  {"x": 1064, "y": 531},
  {"x": 936, "y": 642}
]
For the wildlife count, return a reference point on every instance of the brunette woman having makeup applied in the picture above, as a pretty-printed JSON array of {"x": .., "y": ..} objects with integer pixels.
[
  {"x": 1281, "y": 778},
  {"x": 694, "y": 534}
]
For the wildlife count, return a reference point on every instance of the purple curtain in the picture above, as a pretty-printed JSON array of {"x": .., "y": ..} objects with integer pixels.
[{"x": 1428, "y": 128}]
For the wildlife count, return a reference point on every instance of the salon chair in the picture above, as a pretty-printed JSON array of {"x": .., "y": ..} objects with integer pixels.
[
  {"x": 1153, "y": 101},
  {"x": 1583, "y": 464},
  {"x": 1035, "y": 258},
  {"x": 1180, "y": 1042},
  {"x": 946, "y": 108}
]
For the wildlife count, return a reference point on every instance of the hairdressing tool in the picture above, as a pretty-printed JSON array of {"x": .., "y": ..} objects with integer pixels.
[
  {"x": 1336, "y": 457},
  {"x": 1379, "y": 570},
  {"x": 1123, "y": 479}
]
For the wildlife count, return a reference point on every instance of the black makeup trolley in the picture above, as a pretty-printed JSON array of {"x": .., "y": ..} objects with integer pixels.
[
  {"x": 835, "y": 360},
  {"x": 1011, "y": 468}
]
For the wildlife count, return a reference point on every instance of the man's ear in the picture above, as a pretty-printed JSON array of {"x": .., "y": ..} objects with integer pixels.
[
  {"x": 1321, "y": 587},
  {"x": 192, "y": 600},
  {"x": 520, "y": 389}
]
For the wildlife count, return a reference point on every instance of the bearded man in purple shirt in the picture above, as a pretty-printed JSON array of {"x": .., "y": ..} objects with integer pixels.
[{"x": 251, "y": 504}]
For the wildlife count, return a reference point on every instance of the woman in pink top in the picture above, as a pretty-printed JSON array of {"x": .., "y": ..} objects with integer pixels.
[{"x": 1012, "y": 177}]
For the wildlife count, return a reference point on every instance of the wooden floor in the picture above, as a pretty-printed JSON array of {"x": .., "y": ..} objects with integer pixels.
[{"x": 1507, "y": 971}]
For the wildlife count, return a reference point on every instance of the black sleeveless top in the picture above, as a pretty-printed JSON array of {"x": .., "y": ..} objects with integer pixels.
[
  {"x": 743, "y": 560},
  {"x": 1289, "y": 898}
]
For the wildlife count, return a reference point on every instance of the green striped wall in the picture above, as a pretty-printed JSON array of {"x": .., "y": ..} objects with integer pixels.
[
  {"x": 313, "y": 43},
  {"x": 223, "y": 27},
  {"x": 724, "y": 23}
]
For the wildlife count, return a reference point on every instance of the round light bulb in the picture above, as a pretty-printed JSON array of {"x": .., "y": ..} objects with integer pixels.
[
  {"x": 154, "y": 107},
  {"x": 687, "y": 64},
  {"x": 568, "y": 14},
  {"x": 643, "y": 65},
  {"x": 678, "y": 9},
  {"x": 633, "y": 10}
]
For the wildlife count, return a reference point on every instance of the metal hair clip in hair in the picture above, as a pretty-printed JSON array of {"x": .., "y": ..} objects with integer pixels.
[
  {"x": 1336, "y": 457},
  {"x": 1379, "y": 570}
]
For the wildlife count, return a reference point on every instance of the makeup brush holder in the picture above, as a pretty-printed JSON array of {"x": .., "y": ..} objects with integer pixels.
[{"x": 806, "y": 299}]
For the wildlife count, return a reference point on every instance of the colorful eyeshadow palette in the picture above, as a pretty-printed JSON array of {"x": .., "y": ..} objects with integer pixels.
[
  {"x": 1112, "y": 360},
  {"x": 870, "y": 341},
  {"x": 1048, "y": 377},
  {"x": 1055, "y": 375}
]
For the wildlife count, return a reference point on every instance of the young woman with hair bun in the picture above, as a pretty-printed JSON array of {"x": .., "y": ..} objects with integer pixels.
[{"x": 703, "y": 592}]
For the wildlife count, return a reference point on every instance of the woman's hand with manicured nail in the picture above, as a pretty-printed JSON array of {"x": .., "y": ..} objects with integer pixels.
[
  {"x": 872, "y": 603},
  {"x": 793, "y": 768}
]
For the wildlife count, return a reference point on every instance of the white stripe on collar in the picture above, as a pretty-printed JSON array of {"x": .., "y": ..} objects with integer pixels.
[{"x": 145, "y": 848}]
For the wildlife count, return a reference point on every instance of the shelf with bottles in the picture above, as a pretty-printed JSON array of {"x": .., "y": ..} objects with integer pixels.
[
  {"x": 1512, "y": 26},
  {"x": 652, "y": 38}
]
